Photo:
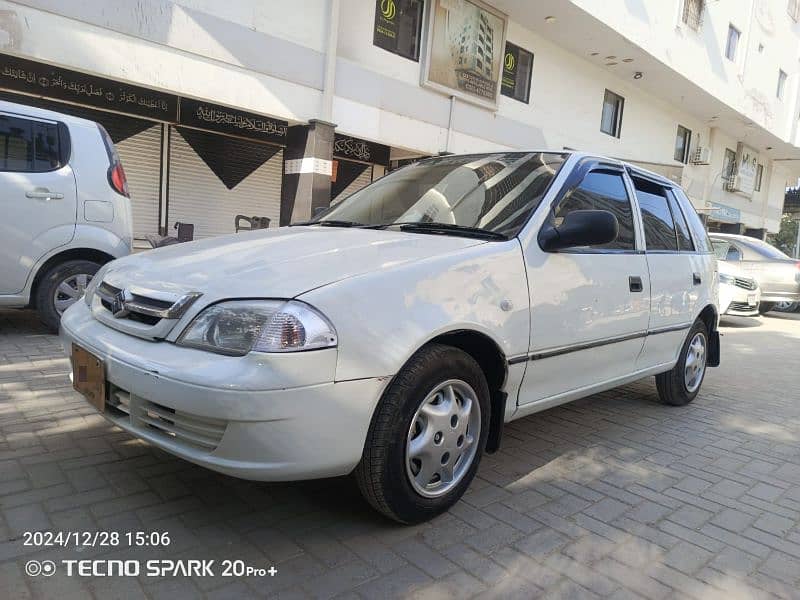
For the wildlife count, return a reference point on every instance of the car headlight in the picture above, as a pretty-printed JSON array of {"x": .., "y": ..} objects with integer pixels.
[
  {"x": 237, "y": 327},
  {"x": 729, "y": 279}
]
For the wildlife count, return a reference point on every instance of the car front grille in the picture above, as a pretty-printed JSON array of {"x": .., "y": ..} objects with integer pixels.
[
  {"x": 741, "y": 306},
  {"x": 179, "y": 427},
  {"x": 745, "y": 283}
]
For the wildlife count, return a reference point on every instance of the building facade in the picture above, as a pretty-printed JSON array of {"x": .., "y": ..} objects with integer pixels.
[{"x": 274, "y": 109}]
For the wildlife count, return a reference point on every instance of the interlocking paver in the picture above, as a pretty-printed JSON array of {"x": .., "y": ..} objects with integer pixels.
[{"x": 616, "y": 496}]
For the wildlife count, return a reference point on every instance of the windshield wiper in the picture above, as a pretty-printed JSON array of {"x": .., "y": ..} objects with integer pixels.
[
  {"x": 448, "y": 229},
  {"x": 330, "y": 223}
]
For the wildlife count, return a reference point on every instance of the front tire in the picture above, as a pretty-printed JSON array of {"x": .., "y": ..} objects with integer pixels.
[
  {"x": 427, "y": 436},
  {"x": 681, "y": 385},
  {"x": 60, "y": 287},
  {"x": 765, "y": 307}
]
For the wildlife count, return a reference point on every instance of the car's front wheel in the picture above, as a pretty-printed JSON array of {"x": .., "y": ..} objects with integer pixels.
[
  {"x": 765, "y": 307},
  {"x": 682, "y": 384},
  {"x": 427, "y": 436}
]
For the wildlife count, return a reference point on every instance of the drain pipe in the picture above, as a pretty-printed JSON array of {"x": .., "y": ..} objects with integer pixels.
[
  {"x": 449, "y": 126},
  {"x": 329, "y": 84}
]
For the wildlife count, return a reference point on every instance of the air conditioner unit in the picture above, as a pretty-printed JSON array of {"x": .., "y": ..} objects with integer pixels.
[
  {"x": 701, "y": 156},
  {"x": 733, "y": 184}
]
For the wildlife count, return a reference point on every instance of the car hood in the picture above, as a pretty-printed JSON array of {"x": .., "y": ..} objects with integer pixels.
[{"x": 275, "y": 263}]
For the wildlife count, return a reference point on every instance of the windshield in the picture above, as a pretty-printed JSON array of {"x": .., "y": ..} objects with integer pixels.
[{"x": 491, "y": 192}]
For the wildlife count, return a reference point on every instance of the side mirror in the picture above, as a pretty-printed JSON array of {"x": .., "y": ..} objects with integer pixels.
[{"x": 580, "y": 228}]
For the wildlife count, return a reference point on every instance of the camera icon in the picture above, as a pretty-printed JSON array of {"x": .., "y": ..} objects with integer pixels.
[{"x": 34, "y": 568}]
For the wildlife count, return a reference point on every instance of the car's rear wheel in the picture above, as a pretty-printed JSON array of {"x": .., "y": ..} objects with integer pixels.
[
  {"x": 60, "y": 287},
  {"x": 765, "y": 307},
  {"x": 427, "y": 436},
  {"x": 682, "y": 384}
]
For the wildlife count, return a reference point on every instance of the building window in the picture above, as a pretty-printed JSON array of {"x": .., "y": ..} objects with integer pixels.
[
  {"x": 398, "y": 26},
  {"x": 693, "y": 13},
  {"x": 728, "y": 165},
  {"x": 793, "y": 8},
  {"x": 759, "y": 177},
  {"x": 781, "y": 84},
  {"x": 732, "y": 43},
  {"x": 611, "y": 119},
  {"x": 517, "y": 73},
  {"x": 682, "y": 141}
]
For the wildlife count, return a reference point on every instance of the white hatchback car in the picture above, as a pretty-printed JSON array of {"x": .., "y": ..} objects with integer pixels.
[
  {"x": 65, "y": 206},
  {"x": 395, "y": 334}
]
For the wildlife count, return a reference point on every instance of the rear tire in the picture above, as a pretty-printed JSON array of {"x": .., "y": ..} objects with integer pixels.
[
  {"x": 681, "y": 385},
  {"x": 61, "y": 286},
  {"x": 431, "y": 409},
  {"x": 765, "y": 307}
]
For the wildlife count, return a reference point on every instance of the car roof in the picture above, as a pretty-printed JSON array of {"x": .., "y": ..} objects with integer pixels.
[{"x": 25, "y": 110}]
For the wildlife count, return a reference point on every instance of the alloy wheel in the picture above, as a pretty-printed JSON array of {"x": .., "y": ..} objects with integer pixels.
[{"x": 69, "y": 291}]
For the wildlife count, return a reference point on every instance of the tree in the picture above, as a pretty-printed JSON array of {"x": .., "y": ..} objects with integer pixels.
[{"x": 786, "y": 238}]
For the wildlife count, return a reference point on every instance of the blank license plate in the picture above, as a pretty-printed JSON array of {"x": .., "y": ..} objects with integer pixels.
[
  {"x": 751, "y": 299},
  {"x": 89, "y": 377}
]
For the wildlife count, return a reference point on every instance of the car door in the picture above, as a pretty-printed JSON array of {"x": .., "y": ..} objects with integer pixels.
[
  {"x": 37, "y": 195},
  {"x": 675, "y": 279},
  {"x": 589, "y": 306}
]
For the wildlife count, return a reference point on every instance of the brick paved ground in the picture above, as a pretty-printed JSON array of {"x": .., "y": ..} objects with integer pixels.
[{"x": 613, "y": 496}]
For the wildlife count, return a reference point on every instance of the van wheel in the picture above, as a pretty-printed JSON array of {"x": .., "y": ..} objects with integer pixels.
[
  {"x": 427, "y": 436},
  {"x": 60, "y": 287},
  {"x": 682, "y": 384}
]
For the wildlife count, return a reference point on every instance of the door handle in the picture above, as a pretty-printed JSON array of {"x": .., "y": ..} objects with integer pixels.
[
  {"x": 696, "y": 279},
  {"x": 635, "y": 283},
  {"x": 43, "y": 194}
]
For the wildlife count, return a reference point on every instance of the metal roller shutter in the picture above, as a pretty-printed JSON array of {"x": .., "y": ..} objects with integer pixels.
[{"x": 213, "y": 178}]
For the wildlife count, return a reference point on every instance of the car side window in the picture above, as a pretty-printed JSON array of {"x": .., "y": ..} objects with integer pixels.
[
  {"x": 701, "y": 240},
  {"x": 682, "y": 228},
  {"x": 16, "y": 144},
  {"x": 659, "y": 227},
  {"x": 733, "y": 253},
  {"x": 28, "y": 146},
  {"x": 602, "y": 190}
]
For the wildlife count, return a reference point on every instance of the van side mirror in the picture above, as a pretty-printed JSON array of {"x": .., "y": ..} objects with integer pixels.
[{"x": 580, "y": 228}]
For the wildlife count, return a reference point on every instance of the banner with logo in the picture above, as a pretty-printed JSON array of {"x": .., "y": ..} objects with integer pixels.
[
  {"x": 398, "y": 24},
  {"x": 517, "y": 66},
  {"x": 466, "y": 42},
  {"x": 746, "y": 170}
]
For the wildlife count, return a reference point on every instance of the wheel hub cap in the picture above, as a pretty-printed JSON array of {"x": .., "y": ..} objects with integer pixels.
[
  {"x": 70, "y": 290},
  {"x": 443, "y": 438},
  {"x": 695, "y": 363}
]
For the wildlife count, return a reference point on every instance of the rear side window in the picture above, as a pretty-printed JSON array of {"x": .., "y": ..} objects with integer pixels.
[
  {"x": 681, "y": 227},
  {"x": 28, "y": 146},
  {"x": 659, "y": 227},
  {"x": 701, "y": 241},
  {"x": 602, "y": 190}
]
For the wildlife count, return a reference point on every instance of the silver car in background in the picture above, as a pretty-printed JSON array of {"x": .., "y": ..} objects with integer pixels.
[{"x": 777, "y": 274}]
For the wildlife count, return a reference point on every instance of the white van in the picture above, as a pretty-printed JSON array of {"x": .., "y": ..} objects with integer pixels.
[
  {"x": 395, "y": 333},
  {"x": 64, "y": 204}
]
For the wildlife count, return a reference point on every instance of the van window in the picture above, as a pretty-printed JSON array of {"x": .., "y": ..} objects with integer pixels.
[
  {"x": 659, "y": 228},
  {"x": 602, "y": 190},
  {"x": 701, "y": 241},
  {"x": 28, "y": 146},
  {"x": 682, "y": 228},
  {"x": 16, "y": 144}
]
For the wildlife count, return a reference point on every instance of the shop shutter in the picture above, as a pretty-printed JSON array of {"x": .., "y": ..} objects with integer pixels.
[{"x": 213, "y": 178}]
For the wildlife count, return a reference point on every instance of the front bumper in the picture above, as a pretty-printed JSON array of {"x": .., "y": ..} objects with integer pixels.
[
  {"x": 262, "y": 417},
  {"x": 739, "y": 302}
]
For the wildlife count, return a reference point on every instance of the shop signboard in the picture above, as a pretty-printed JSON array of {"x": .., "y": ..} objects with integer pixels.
[
  {"x": 725, "y": 214},
  {"x": 746, "y": 170},
  {"x": 39, "y": 79},
  {"x": 351, "y": 148},
  {"x": 465, "y": 50},
  {"x": 222, "y": 119}
]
